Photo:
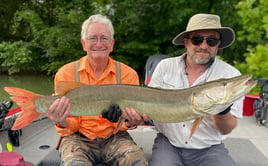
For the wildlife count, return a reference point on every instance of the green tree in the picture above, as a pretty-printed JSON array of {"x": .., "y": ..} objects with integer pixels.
[
  {"x": 253, "y": 15},
  {"x": 254, "y": 18},
  {"x": 48, "y": 32},
  {"x": 253, "y": 34},
  {"x": 147, "y": 27},
  {"x": 7, "y": 10}
]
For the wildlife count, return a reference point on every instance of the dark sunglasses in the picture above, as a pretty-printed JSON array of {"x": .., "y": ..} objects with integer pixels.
[{"x": 211, "y": 40}]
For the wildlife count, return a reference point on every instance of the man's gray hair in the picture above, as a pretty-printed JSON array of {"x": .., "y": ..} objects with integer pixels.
[{"x": 96, "y": 18}]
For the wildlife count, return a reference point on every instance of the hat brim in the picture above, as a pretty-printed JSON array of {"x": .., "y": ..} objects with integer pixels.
[{"x": 227, "y": 36}]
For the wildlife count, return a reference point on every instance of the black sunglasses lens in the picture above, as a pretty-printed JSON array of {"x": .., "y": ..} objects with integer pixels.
[
  {"x": 211, "y": 41},
  {"x": 197, "y": 40}
]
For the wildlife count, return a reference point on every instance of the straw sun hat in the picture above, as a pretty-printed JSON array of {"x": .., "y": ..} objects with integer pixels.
[{"x": 207, "y": 22}]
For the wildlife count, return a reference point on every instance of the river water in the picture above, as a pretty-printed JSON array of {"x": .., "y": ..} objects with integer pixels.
[{"x": 41, "y": 84}]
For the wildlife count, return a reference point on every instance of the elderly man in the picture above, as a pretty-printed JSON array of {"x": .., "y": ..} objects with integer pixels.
[{"x": 88, "y": 140}]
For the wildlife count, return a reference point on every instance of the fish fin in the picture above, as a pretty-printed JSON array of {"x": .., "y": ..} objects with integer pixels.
[
  {"x": 195, "y": 125},
  {"x": 25, "y": 99},
  {"x": 119, "y": 125},
  {"x": 65, "y": 86}
]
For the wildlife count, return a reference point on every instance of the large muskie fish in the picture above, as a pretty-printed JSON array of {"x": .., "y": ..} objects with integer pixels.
[{"x": 160, "y": 105}]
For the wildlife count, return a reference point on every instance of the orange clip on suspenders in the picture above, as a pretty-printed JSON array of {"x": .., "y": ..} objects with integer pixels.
[{"x": 77, "y": 79}]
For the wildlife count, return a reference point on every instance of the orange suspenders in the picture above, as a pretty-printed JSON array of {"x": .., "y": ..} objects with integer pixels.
[{"x": 77, "y": 79}]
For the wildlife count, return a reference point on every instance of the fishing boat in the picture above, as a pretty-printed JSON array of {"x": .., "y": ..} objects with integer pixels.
[{"x": 37, "y": 142}]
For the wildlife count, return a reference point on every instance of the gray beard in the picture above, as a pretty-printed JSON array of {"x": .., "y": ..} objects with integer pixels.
[{"x": 207, "y": 62}]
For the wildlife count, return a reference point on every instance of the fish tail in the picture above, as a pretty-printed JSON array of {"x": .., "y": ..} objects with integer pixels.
[{"x": 24, "y": 99}]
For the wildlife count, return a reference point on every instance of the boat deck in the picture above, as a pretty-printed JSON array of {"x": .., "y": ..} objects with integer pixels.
[{"x": 247, "y": 144}]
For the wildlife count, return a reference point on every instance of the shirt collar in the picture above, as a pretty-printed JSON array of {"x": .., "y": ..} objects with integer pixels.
[{"x": 84, "y": 65}]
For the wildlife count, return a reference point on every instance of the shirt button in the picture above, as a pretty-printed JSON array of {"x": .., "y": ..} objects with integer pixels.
[
  {"x": 186, "y": 142},
  {"x": 183, "y": 125}
]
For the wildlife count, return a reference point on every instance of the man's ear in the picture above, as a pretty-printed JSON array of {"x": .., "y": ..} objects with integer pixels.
[{"x": 83, "y": 44}]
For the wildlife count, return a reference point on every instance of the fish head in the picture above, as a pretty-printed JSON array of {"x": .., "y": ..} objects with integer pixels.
[{"x": 215, "y": 96}]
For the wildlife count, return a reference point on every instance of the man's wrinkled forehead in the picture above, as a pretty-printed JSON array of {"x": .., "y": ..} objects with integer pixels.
[{"x": 98, "y": 29}]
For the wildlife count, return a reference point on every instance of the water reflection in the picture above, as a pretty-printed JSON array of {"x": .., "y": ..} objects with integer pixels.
[{"x": 41, "y": 84}]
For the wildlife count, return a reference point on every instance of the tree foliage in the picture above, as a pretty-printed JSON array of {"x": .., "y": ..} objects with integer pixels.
[
  {"x": 147, "y": 27},
  {"x": 42, "y": 35},
  {"x": 254, "y": 18},
  {"x": 49, "y": 33},
  {"x": 7, "y": 10},
  {"x": 14, "y": 56}
]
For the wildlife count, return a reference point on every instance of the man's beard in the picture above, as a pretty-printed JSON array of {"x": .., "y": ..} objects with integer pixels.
[{"x": 204, "y": 59}]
